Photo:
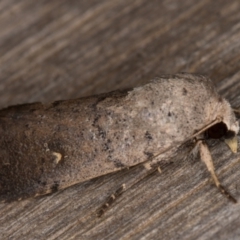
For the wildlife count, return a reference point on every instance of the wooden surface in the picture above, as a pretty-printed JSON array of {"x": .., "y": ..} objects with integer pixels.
[{"x": 59, "y": 49}]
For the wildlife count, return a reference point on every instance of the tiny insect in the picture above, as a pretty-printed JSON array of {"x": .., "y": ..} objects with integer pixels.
[{"x": 47, "y": 147}]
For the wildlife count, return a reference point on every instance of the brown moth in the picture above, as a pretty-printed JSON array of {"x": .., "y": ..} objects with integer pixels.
[{"x": 46, "y": 147}]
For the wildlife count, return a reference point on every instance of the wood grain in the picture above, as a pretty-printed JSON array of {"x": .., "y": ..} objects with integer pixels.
[{"x": 51, "y": 50}]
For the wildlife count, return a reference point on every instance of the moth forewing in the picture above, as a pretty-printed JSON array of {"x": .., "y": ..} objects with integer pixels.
[{"x": 46, "y": 147}]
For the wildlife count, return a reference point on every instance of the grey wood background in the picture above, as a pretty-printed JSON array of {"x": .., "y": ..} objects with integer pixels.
[{"x": 60, "y": 49}]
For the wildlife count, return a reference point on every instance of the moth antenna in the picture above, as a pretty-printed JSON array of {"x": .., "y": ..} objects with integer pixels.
[
  {"x": 111, "y": 200},
  {"x": 145, "y": 172},
  {"x": 207, "y": 159}
]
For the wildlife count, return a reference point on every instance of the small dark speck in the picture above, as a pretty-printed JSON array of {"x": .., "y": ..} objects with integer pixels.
[
  {"x": 102, "y": 133},
  {"x": 95, "y": 120},
  {"x": 54, "y": 187},
  {"x": 149, "y": 154},
  {"x": 105, "y": 147},
  {"x": 169, "y": 114},
  {"x": 43, "y": 183},
  {"x": 118, "y": 163},
  {"x": 220, "y": 99},
  {"x": 185, "y": 91},
  {"x": 148, "y": 135}
]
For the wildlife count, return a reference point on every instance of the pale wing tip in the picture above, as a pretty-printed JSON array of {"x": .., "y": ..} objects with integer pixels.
[{"x": 232, "y": 143}]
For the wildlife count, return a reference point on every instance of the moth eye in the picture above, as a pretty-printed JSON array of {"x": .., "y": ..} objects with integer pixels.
[{"x": 217, "y": 131}]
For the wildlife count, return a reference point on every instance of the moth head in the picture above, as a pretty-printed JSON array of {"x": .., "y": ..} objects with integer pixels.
[{"x": 227, "y": 129}]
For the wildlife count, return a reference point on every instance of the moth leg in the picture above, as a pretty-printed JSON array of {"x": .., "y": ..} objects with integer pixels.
[{"x": 207, "y": 159}]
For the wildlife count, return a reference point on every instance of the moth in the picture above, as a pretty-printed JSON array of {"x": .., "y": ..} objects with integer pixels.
[{"x": 47, "y": 147}]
